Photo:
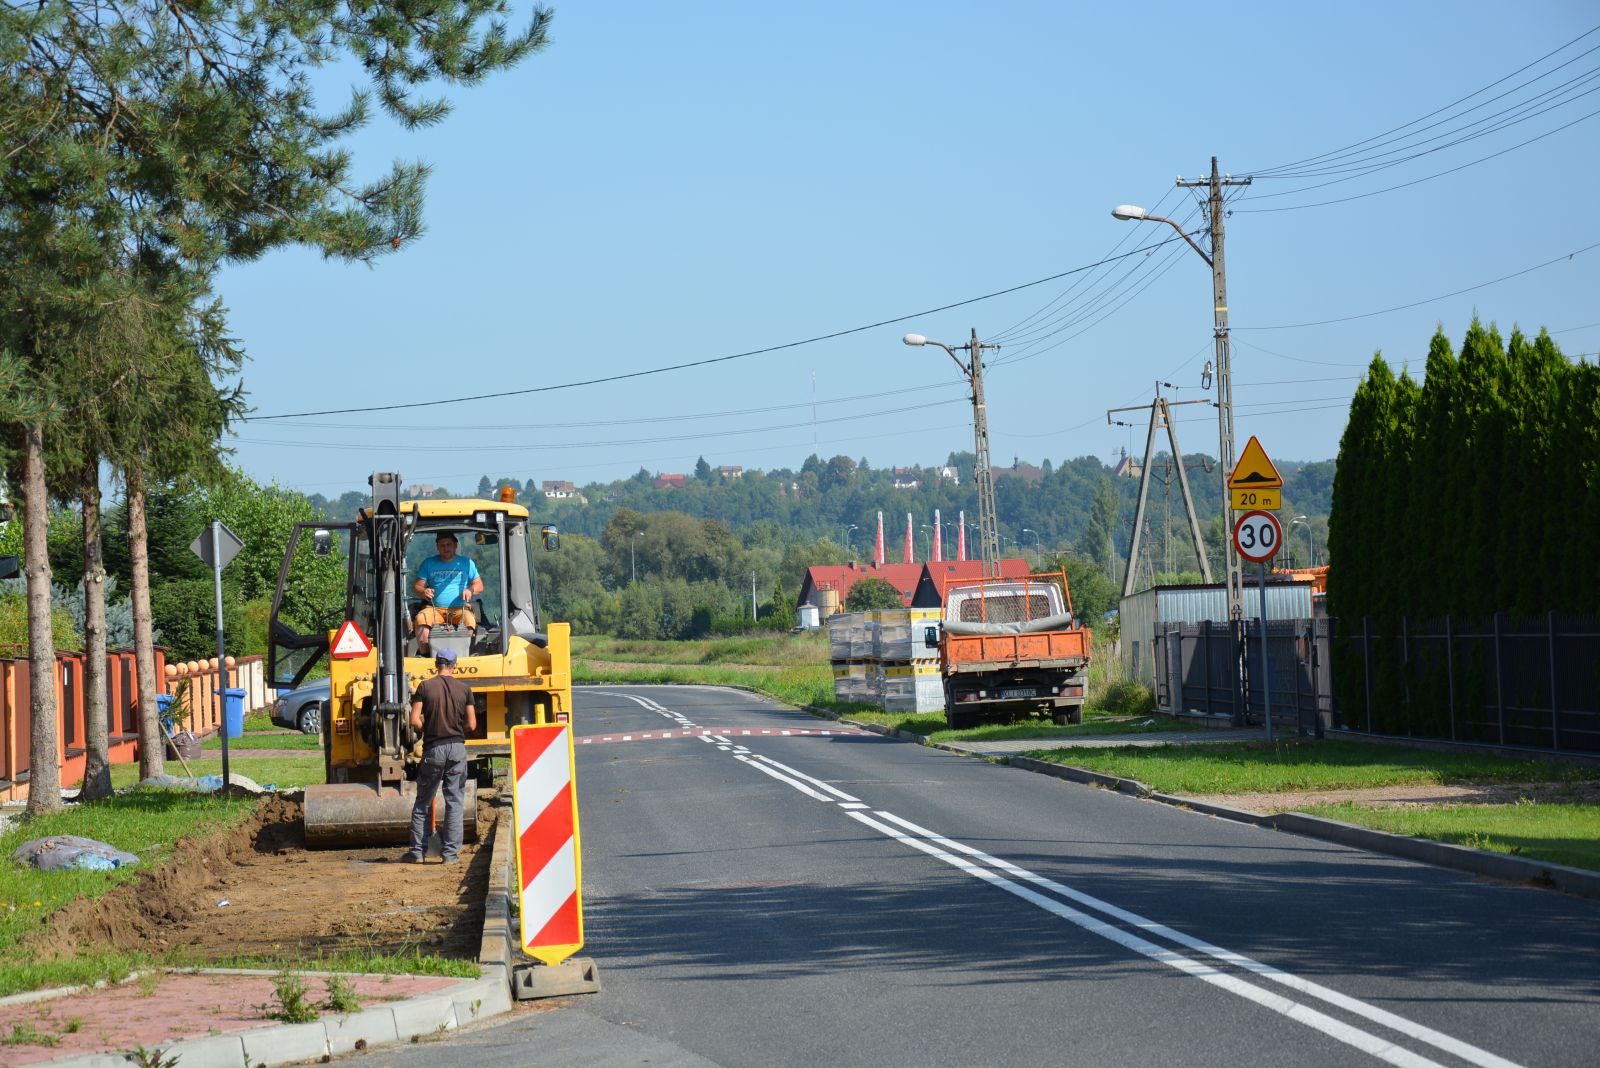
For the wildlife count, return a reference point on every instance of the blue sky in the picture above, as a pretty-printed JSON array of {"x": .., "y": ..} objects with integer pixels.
[{"x": 671, "y": 183}]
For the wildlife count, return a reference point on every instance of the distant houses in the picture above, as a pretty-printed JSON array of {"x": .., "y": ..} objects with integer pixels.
[
  {"x": 671, "y": 481},
  {"x": 919, "y": 585},
  {"x": 561, "y": 491}
]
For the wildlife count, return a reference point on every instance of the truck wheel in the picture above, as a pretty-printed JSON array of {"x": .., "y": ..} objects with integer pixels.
[{"x": 1067, "y": 716}]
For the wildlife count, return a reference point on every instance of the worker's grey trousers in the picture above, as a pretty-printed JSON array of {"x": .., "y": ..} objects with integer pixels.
[{"x": 443, "y": 764}]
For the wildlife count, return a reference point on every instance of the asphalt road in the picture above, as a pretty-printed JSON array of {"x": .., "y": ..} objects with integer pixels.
[{"x": 843, "y": 899}]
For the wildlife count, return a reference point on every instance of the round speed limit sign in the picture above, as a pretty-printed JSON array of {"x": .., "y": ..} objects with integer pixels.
[{"x": 1257, "y": 536}]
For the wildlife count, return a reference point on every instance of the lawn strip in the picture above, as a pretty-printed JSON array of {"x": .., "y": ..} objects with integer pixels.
[
  {"x": 264, "y": 741},
  {"x": 1558, "y": 833},
  {"x": 285, "y": 772},
  {"x": 145, "y": 822},
  {"x": 1260, "y": 767}
]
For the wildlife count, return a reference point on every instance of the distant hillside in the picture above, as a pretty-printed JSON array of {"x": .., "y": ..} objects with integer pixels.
[{"x": 1044, "y": 506}]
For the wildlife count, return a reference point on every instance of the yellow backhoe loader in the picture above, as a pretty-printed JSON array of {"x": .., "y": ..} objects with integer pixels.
[{"x": 518, "y": 666}]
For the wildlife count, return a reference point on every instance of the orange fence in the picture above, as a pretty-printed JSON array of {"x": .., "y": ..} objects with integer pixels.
[{"x": 204, "y": 711}]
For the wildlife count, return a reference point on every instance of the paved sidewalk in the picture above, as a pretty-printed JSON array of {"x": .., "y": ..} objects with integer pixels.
[
  {"x": 1014, "y": 747},
  {"x": 160, "y": 1008}
]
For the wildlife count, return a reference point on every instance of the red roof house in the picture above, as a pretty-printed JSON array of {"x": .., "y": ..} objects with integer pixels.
[{"x": 840, "y": 577}]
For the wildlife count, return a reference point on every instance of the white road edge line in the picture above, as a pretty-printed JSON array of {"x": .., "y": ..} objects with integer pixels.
[
  {"x": 1342, "y": 1032},
  {"x": 1455, "y": 1046}
]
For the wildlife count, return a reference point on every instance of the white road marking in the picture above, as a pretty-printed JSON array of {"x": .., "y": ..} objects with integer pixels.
[
  {"x": 802, "y": 775},
  {"x": 946, "y": 850},
  {"x": 802, "y": 787},
  {"x": 1438, "y": 1039},
  {"x": 1353, "y": 1036}
]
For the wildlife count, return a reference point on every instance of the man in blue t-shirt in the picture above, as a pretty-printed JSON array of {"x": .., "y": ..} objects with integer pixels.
[{"x": 448, "y": 583}]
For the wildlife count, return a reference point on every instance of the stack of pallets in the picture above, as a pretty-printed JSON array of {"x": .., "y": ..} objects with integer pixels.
[{"x": 880, "y": 658}]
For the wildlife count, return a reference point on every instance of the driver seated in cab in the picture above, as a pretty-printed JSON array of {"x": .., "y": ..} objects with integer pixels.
[{"x": 447, "y": 582}]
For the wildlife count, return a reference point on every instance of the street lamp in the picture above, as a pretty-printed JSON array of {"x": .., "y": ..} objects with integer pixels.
[
  {"x": 972, "y": 369},
  {"x": 1224, "y": 374},
  {"x": 1311, "y": 536},
  {"x": 929, "y": 554},
  {"x": 853, "y": 528},
  {"x": 633, "y": 562},
  {"x": 1038, "y": 545}
]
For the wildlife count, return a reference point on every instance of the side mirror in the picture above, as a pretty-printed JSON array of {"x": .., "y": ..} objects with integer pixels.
[
  {"x": 551, "y": 537},
  {"x": 322, "y": 543},
  {"x": 930, "y": 637}
]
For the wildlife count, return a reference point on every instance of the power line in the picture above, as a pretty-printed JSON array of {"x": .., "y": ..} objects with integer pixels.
[
  {"x": 675, "y": 418},
  {"x": 1429, "y": 300},
  {"x": 1270, "y": 171},
  {"x": 1426, "y": 178},
  {"x": 564, "y": 445},
  {"x": 714, "y": 359}
]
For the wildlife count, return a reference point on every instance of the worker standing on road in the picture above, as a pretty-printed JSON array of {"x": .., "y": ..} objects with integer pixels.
[{"x": 443, "y": 713}]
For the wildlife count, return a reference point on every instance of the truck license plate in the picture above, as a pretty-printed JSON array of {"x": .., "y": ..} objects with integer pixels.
[{"x": 1017, "y": 691}]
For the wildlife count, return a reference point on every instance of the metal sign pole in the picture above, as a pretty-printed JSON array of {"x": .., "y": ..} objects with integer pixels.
[
  {"x": 222, "y": 652},
  {"x": 1266, "y": 669}
]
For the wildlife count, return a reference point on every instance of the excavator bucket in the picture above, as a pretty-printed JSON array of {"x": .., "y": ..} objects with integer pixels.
[{"x": 363, "y": 814}]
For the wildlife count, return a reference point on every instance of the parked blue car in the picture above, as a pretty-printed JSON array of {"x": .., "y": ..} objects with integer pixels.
[{"x": 302, "y": 708}]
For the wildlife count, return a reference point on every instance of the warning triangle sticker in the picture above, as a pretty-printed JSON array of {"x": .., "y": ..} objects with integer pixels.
[
  {"x": 1254, "y": 470},
  {"x": 350, "y": 643}
]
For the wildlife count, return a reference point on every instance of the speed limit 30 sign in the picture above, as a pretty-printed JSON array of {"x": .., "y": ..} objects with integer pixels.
[{"x": 1257, "y": 536}]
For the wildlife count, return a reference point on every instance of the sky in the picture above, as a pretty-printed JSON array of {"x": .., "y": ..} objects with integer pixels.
[{"x": 667, "y": 184}]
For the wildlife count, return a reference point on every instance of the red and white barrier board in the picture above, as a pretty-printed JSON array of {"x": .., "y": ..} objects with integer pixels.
[{"x": 544, "y": 806}]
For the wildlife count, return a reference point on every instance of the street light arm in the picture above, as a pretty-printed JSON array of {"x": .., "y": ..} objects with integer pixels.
[{"x": 1183, "y": 234}]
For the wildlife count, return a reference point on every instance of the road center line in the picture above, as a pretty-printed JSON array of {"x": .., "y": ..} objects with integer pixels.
[
  {"x": 840, "y": 794},
  {"x": 796, "y": 783}
]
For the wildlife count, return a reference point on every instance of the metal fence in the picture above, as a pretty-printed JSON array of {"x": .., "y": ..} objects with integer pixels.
[
  {"x": 1198, "y": 670},
  {"x": 1532, "y": 682}
]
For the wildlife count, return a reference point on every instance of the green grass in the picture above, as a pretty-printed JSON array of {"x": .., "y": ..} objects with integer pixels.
[
  {"x": 354, "y": 959},
  {"x": 774, "y": 650},
  {"x": 1331, "y": 764},
  {"x": 932, "y": 725},
  {"x": 145, "y": 822},
  {"x": 1558, "y": 833},
  {"x": 806, "y": 684},
  {"x": 265, "y": 741},
  {"x": 285, "y": 771}
]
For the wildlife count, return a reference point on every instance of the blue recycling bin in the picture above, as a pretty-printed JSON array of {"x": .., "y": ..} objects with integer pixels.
[{"x": 233, "y": 713}]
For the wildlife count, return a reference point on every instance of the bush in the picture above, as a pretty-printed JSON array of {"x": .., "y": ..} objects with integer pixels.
[{"x": 14, "y": 623}]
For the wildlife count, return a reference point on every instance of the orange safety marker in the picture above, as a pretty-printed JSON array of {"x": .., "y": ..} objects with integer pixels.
[{"x": 544, "y": 807}]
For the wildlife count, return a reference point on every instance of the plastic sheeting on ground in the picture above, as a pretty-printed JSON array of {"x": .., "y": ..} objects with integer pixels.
[
  {"x": 204, "y": 784},
  {"x": 65, "y": 852}
]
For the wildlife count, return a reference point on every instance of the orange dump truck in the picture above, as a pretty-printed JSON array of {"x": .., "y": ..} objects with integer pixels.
[{"x": 1010, "y": 648}]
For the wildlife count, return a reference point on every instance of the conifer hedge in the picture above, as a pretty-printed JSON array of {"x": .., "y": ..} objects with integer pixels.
[{"x": 1475, "y": 493}]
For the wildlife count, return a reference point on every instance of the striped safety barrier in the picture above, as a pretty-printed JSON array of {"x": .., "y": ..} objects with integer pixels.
[{"x": 544, "y": 806}]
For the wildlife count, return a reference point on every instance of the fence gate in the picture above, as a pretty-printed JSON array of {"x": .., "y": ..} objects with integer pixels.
[{"x": 1194, "y": 669}]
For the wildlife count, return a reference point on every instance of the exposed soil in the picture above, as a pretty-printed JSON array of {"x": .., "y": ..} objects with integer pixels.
[
  {"x": 284, "y": 901},
  {"x": 1414, "y": 796}
]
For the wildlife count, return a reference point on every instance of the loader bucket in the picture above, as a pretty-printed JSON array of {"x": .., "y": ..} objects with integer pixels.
[{"x": 362, "y": 814}]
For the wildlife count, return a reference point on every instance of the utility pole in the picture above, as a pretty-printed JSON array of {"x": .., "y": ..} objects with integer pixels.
[
  {"x": 1161, "y": 416},
  {"x": 1225, "y": 458},
  {"x": 752, "y": 596},
  {"x": 988, "y": 526}
]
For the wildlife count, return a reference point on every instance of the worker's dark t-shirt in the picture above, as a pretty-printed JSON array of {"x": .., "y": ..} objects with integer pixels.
[{"x": 444, "y": 709}]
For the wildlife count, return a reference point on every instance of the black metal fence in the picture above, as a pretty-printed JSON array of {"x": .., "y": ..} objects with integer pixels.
[
  {"x": 1529, "y": 682},
  {"x": 1520, "y": 681},
  {"x": 1198, "y": 669}
]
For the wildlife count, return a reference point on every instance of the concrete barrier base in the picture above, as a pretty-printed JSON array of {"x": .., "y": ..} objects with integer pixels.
[{"x": 575, "y": 976}]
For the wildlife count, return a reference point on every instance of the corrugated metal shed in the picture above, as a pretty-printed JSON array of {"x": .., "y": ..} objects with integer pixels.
[{"x": 1144, "y": 611}]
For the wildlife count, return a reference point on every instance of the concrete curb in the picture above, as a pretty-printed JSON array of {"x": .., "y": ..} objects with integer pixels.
[{"x": 419, "y": 1017}]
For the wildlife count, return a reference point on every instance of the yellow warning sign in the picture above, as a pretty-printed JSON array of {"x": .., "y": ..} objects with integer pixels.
[{"x": 1254, "y": 470}]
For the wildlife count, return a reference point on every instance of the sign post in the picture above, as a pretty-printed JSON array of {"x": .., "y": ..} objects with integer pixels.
[
  {"x": 217, "y": 546},
  {"x": 1257, "y": 535}
]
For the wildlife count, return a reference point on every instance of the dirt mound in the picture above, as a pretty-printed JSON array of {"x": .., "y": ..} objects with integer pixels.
[{"x": 256, "y": 891}]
